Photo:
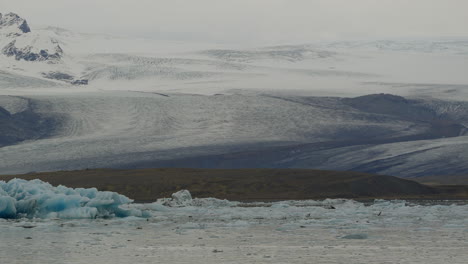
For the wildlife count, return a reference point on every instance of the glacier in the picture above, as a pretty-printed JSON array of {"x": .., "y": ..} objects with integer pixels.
[
  {"x": 153, "y": 103},
  {"x": 37, "y": 199}
]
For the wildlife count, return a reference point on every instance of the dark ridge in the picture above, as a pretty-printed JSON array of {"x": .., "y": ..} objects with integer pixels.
[
  {"x": 242, "y": 184},
  {"x": 58, "y": 76},
  {"x": 389, "y": 104},
  {"x": 65, "y": 77},
  {"x": 443, "y": 180},
  {"x": 410, "y": 110},
  {"x": 25, "y": 125},
  {"x": 80, "y": 82}
]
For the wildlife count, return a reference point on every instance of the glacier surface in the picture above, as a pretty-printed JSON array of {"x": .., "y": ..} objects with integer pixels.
[{"x": 153, "y": 103}]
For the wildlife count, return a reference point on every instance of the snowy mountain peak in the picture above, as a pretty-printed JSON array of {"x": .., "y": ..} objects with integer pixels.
[
  {"x": 13, "y": 24},
  {"x": 20, "y": 43}
]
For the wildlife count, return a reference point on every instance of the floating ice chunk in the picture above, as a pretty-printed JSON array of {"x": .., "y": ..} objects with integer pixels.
[
  {"x": 213, "y": 202},
  {"x": 182, "y": 197},
  {"x": 356, "y": 236},
  {"x": 151, "y": 207},
  {"x": 238, "y": 223},
  {"x": 75, "y": 213},
  {"x": 280, "y": 205},
  {"x": 179, "y": 199},
  {"x": 21, "y": 198}
]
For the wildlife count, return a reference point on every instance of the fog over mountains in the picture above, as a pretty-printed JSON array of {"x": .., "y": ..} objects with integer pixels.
[{"x": 72, "y": 100}]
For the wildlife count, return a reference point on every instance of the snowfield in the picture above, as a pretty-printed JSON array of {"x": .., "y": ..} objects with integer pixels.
[{"x": 183, "y": 229}]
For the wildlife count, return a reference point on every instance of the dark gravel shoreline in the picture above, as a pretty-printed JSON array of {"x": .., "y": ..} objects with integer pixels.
[{"x": 147, "y": 185}]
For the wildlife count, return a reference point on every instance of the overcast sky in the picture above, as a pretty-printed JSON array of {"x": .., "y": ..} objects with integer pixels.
[{"x": 251, "y": 21}]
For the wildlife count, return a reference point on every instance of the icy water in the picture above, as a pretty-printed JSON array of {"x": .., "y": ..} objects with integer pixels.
[{"x": 215, "y": 231}]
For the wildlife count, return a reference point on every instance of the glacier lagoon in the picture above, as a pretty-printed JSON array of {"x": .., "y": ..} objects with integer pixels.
[{"x": 68, "y": 225}]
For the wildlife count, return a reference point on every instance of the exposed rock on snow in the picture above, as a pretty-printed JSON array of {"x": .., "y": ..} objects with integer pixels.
[
  {"x": 80, "y": 82},
  {"x": 14, "y": 23},
  {"x": 31, "y": 53},
  {"x": 58, "y": 76},
  {"x": 65, "y": 77}
]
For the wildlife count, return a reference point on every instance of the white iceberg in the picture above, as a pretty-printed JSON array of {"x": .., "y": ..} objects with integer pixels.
[
  {"x": 183, "y": 198},
  {"x": 37, "y": 199},
  {"x": 179, "y": 199}
]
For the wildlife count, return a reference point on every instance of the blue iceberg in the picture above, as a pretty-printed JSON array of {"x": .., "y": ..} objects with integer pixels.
[{"x": 37, "y": 199}]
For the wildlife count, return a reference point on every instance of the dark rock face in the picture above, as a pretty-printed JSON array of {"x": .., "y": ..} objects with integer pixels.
[
  {"x": 58, "y": 76},
  {"x": 25, "y": 27},
  {"x": 410, "y": 110},
  {"x": 10, "y": 49},
  {"x": 28, "y": 55},
  {"x": 80, "y": 82}
]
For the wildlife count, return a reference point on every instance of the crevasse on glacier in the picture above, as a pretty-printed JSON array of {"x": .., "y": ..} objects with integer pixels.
[{"x": 37, "y": 199}]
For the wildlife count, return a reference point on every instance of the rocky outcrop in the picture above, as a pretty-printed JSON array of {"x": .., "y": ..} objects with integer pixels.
[
  {"x": 24, "y": 44},
  {"x": 80, "y": 82},
  {"x": 27, "y": 53},
  {"x": 15, "y": 22},
  {"x": 60, "y": 76}
]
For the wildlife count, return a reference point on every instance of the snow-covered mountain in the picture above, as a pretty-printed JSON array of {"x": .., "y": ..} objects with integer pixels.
[
  {"x": 22, "y": 44},
  {"x": 394, "y": 107},
  {"x": 13, "y": 25},
  {"x": 35, "y": 53},
  {"x": 62, "y": 57}
]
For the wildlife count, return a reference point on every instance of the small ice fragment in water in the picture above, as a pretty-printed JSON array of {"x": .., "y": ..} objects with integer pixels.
[
  {"x": 179, "y": 199},
  {"x": 182, "y": 197},
  {"x": 356, "y": 236},
  {"x": 279, "y": 205}
]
